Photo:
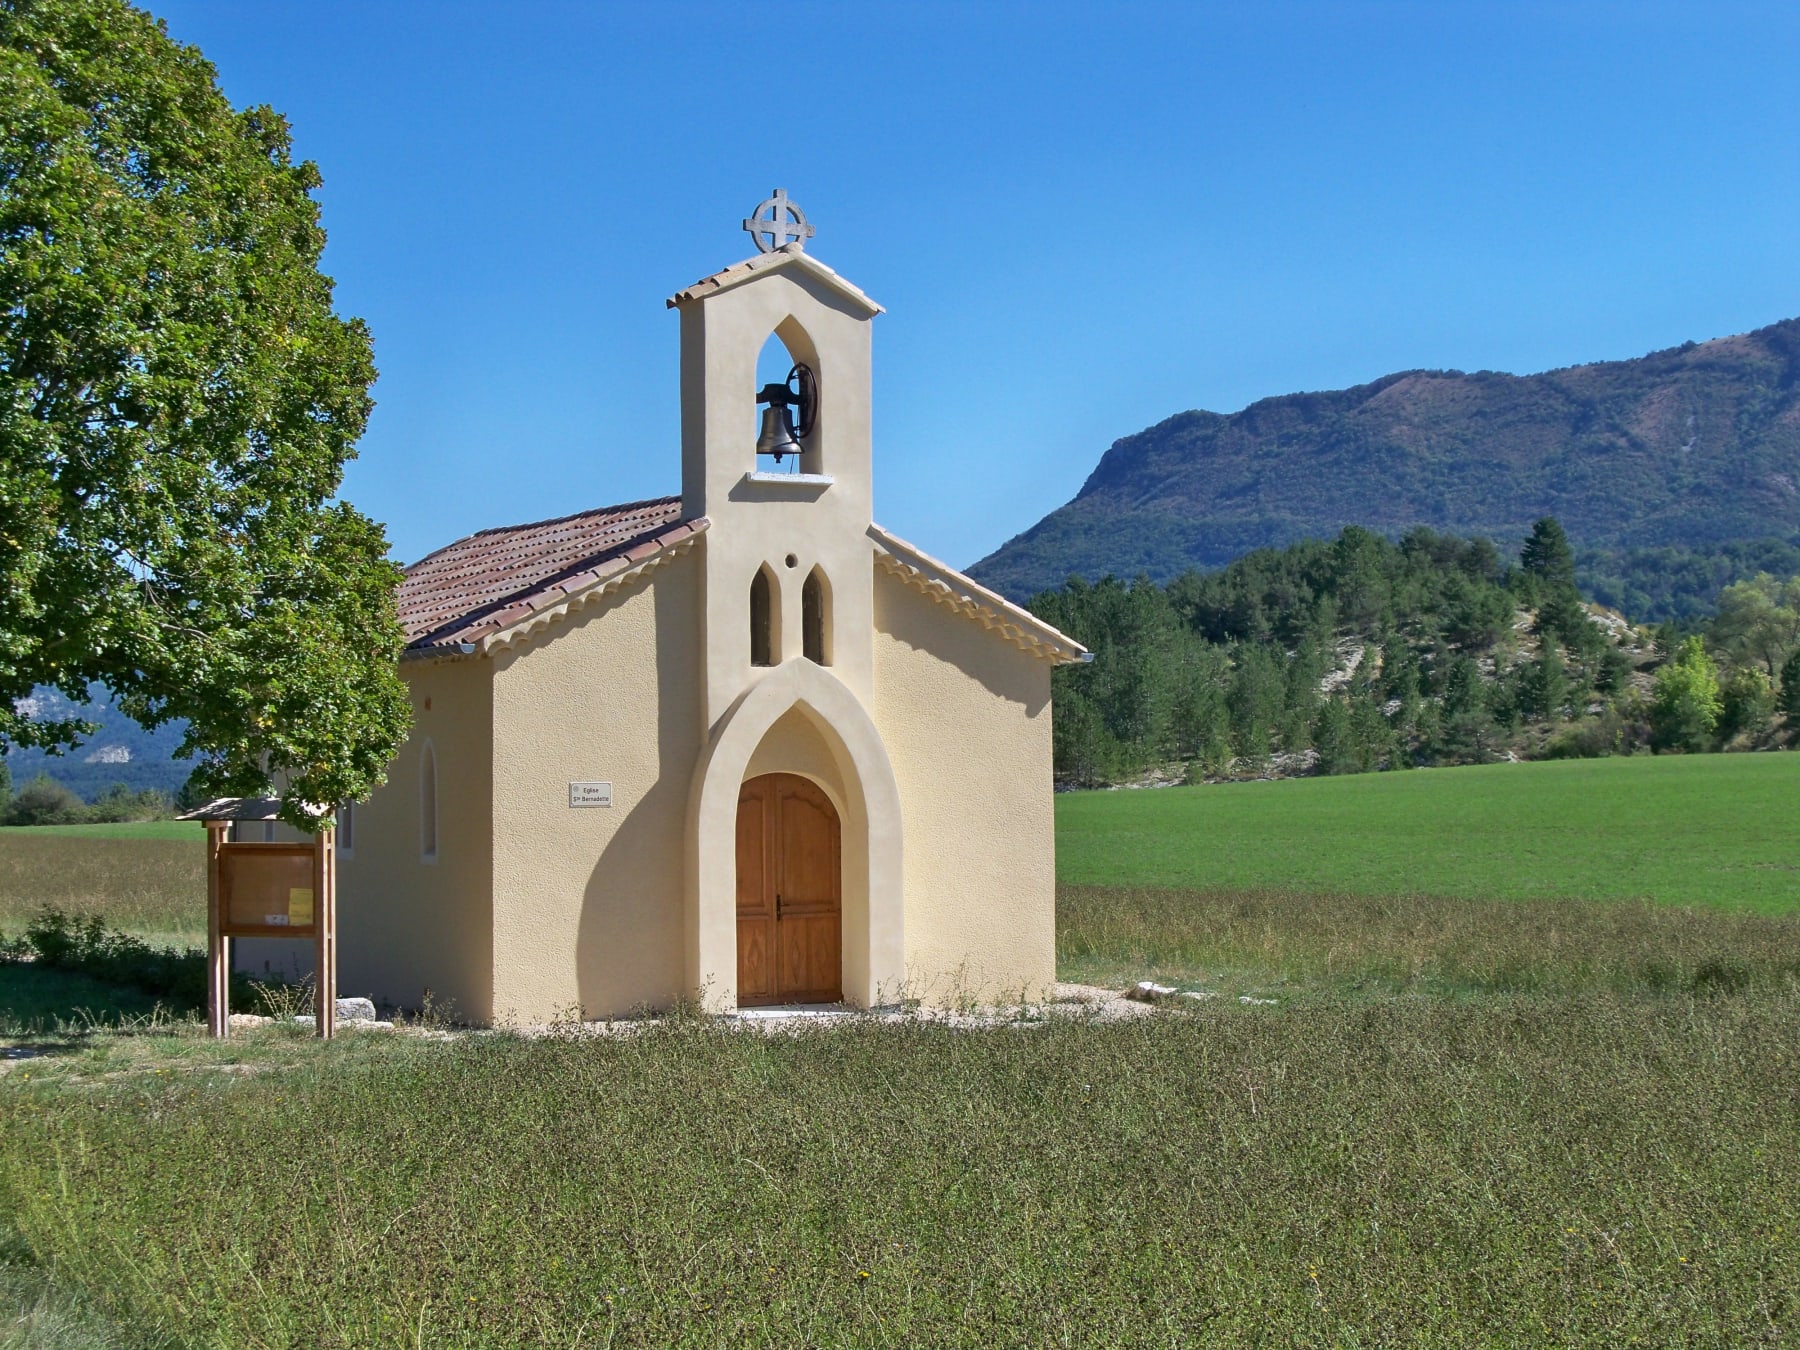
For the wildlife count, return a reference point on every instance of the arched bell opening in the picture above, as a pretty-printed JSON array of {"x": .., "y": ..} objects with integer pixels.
[
  {"x": 815, "y": 618},
  {"x": 787, "y": 401},
  {"x": 765, "y": 618}
]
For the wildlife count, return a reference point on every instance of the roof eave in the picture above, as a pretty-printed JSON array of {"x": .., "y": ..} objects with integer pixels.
[{"x": 946, "y": 585}]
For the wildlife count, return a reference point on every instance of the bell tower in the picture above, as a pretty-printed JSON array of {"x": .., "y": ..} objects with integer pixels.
[{"x": 788, "y": 562}]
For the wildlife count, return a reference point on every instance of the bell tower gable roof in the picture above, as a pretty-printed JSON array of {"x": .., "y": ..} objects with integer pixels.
[{"x": 790, "y": 257}]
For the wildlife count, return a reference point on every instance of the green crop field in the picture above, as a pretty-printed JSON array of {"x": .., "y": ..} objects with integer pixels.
[
  {"x": 187, "y": 831},
  {"x": 1716, "y": 830}
]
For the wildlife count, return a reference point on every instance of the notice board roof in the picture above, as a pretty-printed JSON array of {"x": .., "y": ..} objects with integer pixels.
[{"x": 235, "y": 808}]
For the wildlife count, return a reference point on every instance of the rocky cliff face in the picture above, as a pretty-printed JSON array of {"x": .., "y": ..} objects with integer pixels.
[{"x": 1695, "y": 449}]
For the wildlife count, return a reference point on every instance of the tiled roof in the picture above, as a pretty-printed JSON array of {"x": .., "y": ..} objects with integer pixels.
[
  {"x": 738, "y": 273},
  {"x": 494, "y": 580}
]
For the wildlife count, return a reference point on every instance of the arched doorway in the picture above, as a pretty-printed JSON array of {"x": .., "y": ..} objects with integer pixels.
[{"x": 789, "y": 893}]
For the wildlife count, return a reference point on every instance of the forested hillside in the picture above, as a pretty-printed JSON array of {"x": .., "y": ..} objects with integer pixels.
[
  {"x": 1360, "y": 654},
  {"x": 1674, "y": 474}
]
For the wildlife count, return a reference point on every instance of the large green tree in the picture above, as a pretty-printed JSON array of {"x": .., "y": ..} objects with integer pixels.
[
  {"x": 177, "y": 402},
  {"x": 1759, "y": 621}
]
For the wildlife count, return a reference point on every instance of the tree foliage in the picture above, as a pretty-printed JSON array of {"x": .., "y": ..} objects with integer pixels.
[
  {"x": 177, "y": 402},
  {"x": 1547, "y": 560},
  {"x": 1684, "y": 710},
  {"x": 1356, "y": 653},
  {"x": 44, "y": 801},
  {"x": 1357, "y": 648},
  {"x": 1788, "y": 699},
  {"x": 1758, "y": 621}
]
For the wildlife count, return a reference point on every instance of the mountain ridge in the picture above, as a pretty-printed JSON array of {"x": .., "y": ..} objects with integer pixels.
[
  {"x": 1694, "y": 447},
  {"x": 119, "y": 751}
]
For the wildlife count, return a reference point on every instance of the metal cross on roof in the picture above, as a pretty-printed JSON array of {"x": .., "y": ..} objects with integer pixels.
[{"x": 778, "y": 223}]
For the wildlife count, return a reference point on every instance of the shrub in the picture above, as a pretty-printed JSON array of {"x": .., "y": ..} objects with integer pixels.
[
  {"x": 1594, "y": 738},
  {"x": 84, "y": 945},
  {"x": 44, "y": 801},
  {"x": 120, "y": 803},
  {"x": 1684, "y": 710}
]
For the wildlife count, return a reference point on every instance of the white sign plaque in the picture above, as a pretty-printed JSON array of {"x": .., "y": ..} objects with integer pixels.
[{"x": 590, "y": 794}]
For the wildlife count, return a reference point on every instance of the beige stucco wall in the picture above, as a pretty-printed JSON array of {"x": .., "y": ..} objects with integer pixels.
[
  {"x": 588, "y": 909},
  {"x": 966, "y": 719},
  {"x": 406, "y": 924}
]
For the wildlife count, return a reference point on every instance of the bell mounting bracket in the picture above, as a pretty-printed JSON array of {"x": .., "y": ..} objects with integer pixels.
[{"x": 797, "y": 396}]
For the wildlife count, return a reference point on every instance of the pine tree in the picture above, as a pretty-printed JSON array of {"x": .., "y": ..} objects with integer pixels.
[
  {"x": 1789, "y": 701},
  {"x": 1544, "y": 684},
  {"x": 1547, "y": 558}
]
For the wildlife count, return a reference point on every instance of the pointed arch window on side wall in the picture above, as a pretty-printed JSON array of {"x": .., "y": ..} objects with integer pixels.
[
  {"x": 428, "y": 804},
  {"x": 765, "y": 620},
  {"x": 346, "y": 829},
  {"x": 815, "y": 618}
]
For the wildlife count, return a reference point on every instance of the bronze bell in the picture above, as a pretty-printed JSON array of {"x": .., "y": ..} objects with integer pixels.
[{"x": 777, "y": 436}]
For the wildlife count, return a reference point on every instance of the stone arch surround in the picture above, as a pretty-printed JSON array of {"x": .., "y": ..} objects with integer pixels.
[{"x": 874, "y": 896}]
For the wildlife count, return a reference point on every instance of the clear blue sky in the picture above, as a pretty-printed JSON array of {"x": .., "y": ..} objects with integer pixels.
[{"x": 1082, "y": 219}]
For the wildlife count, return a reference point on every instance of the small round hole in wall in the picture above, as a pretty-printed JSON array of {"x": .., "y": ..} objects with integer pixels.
[{"x": 792, "y": 561}]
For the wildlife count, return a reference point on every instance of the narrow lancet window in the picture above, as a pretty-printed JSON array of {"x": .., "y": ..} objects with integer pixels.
[
  {"x": 815, "y": 618},
  {"x": 428, "y": 815},
  {"x": 762, "y": 619}
]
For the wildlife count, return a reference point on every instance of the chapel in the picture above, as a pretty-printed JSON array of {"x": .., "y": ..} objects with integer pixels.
[{"x": 740, "y": 745}]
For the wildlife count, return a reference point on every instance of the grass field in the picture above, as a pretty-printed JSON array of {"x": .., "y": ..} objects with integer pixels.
[
  {"x": 1718, "y": 830},
  {"x": 1315, "y": 946},
  {"x": 151, "y": 882},
  {"x": 1587, "y": 1171},
  {"x": 1459, "y": 1118}
]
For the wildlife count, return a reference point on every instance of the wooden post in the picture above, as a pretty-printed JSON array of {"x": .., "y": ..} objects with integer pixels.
[
  {"x": 325, "y": 931},
  {"x": 218, "y": 946}
]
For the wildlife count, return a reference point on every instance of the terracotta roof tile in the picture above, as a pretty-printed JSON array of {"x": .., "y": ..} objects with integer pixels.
[{"x": 480, "y": 585}]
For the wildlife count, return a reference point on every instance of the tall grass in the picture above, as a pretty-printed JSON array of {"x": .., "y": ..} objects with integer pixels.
[
  {"x": 153, "y": 888},
  {"x": 1417, "y": 944},
  {"x": 1536, "y": 1171}
]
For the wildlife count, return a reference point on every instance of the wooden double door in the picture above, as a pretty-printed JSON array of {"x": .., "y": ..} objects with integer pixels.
[{"x": 789, "y": 893}]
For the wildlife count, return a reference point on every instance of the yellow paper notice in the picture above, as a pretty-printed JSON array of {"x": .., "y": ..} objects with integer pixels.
[{"x": 300, "y": 906}]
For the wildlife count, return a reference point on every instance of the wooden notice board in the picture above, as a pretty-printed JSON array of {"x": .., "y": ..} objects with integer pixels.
[
  {"x": 269, "y": 890},
  {"x": 266, "y": 889}
]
